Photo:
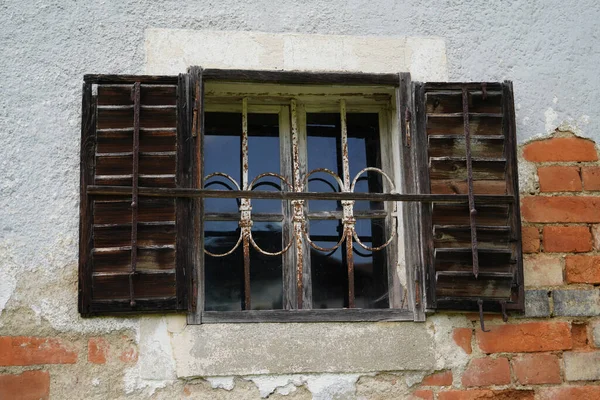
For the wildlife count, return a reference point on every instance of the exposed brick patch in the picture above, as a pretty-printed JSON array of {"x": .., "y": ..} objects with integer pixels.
[
  {"x": 443, "y": 378},
  {"x": 486, "y": 394},
  {"x": 583, "y": 269},
  {"x": 591, "y": 178},
  {"x": 530, "y": 236},
  {"x": 543, "y": 270},
  {"x": 568, "y": 239},
  {"x": 30, "y": 385},
  {"x": 579, "y": 333},
  {"x": 560, "y": 149},
  {"x": 560, "y": 209},
  {"x": 462, "y": 337},
  {"x": 129, "y": 356},
  {"x": 582, "y": 366},
  {"x": 423, "y": 394},
  {"x": 97, "y": 350},
  {"x": 576, "y": 303},
  {"x": 596, "y": 235},
  {"x": 536, "y": 369},
  {"x": 525, "y": 338},
  {"x": 559, "y": 179},
  {"x": 569, "y": 393},
  {"x": 23, "y": 350},
  {"x": 487, "y": 371}
]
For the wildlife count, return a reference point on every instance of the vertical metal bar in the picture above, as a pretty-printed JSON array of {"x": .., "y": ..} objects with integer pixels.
[
  {"x": 348, "y": 205},
  {"x": 298, "y": 206},
  {"x": 134, "y": 192},
  {"x": 245, "y": 208},
  {"x": 472, "y": 210}
]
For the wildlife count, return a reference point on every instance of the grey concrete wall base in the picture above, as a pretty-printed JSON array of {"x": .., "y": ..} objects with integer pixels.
[{"x": 251, "y": 349}]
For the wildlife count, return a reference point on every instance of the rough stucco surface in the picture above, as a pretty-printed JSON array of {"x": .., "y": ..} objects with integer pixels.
[{"x": 549, "y": 49}]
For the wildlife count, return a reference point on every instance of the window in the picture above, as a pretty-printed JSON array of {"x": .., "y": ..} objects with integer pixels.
[{"x": 278, "y": 196}]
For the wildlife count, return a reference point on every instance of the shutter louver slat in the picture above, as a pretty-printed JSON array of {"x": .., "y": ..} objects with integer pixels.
[
  {"x": 131, "y": 139},
  {"x": 476, "y": 256}
]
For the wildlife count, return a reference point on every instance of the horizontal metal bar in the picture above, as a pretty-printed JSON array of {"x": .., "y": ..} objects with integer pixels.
[
  {"x": 258, "y": 194},
  {"x": 116, "y": 79}
]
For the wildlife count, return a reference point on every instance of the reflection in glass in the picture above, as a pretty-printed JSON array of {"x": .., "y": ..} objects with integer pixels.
[
  {"x": 324, "y": 151},
  {"x": 330, "y": 269},
  {"x": 266, "y": 273},
  {"x": 222, "y": 153},
  {"x": 224, "y": 276}
]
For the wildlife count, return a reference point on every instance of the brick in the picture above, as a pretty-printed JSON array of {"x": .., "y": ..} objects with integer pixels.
[
  {"x": 596, "y": 333},
  {"x": 30, "y": 385},
  {"x": 591, "y": 178},
  {"x": 542, "y": 270},
  {"x": 579, "y": 333},
  {"x": 559, "y": 179},
  {"x": 536, "y": 369},
  {"x": 443, "y": 378},
  {"x": 576, "y": 303},
  {"x": 560, "y": 209},
  {"x": 23, "y": 350},
  {"x": 423, "y": 394},
  {"x": 129, "y": 356},
  {"x": 530, "y": 237},
  {"x": 596, "y": 235},
  {"x": 569, "y": 393},
  {"x": 462, "y": 337},
  {"x": 97, "y": 350},
  {"x": 560, "y": 149},
  {"x": 582, "y": 366},
  {"x": 486, "y": 394},
  {"x": 487, "y": 371},
  {"x": 582, "y": 269},
  {"x": 525, "y": 338},
  {"x": 537, "y": 304},
  {"x": 567, "y": 239}
]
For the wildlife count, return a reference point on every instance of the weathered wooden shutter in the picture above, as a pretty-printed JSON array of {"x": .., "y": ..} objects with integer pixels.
[
  {"x": 467, "y": 146},
  {"x": 135, "y": 250}
]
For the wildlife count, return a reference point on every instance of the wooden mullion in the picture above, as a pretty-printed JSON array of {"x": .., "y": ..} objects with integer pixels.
[
  {"x": 194, "y": 125},
  {"x": 410, "y": 211},
  {"x": 510, "y": 154},
  {"x": 423, "y": 185},
  {"x": 86, "y": 218}
]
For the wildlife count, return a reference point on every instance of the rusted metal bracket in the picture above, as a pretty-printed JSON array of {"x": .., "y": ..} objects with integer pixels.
[
  {"x": 480, "y": 304},
  {"x": 407, "y": 119}
]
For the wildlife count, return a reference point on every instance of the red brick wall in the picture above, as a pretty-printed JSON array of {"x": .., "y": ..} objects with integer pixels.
[{"x": 554, "y": 351}]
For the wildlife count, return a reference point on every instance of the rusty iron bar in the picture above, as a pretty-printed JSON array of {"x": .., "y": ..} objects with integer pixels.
[
  {"x": 135, "y": 96},
  {"x": 472, "y": 210},
  {"x": 245, "y": 209},
  {"x": 298, "y": 205},
  {"x": 481, "y": 321},
  {"x": 268, "y": 195},
  {"x": 348, "y": 219}
]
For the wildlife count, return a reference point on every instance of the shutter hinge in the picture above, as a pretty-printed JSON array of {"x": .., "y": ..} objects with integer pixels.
[{"x": 417, "y": 293}]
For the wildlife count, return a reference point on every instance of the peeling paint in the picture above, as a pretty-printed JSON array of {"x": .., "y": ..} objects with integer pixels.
[{"x": 222, "y": 382}]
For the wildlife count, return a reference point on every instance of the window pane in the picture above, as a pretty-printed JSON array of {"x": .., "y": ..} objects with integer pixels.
[
  {"x": 224, "y": 276},
  {"x": 324, "y": 151},
  {"x": 370, "y": 267},
  {"x": 266, "y": 272},
  {"x": 323, "y": 144},
  {"x": 364, "y": 151},
  {"x": 328, "y": 269},
  {"x": 263, "y": 156},
  {"x": 222, "y": 153}
]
